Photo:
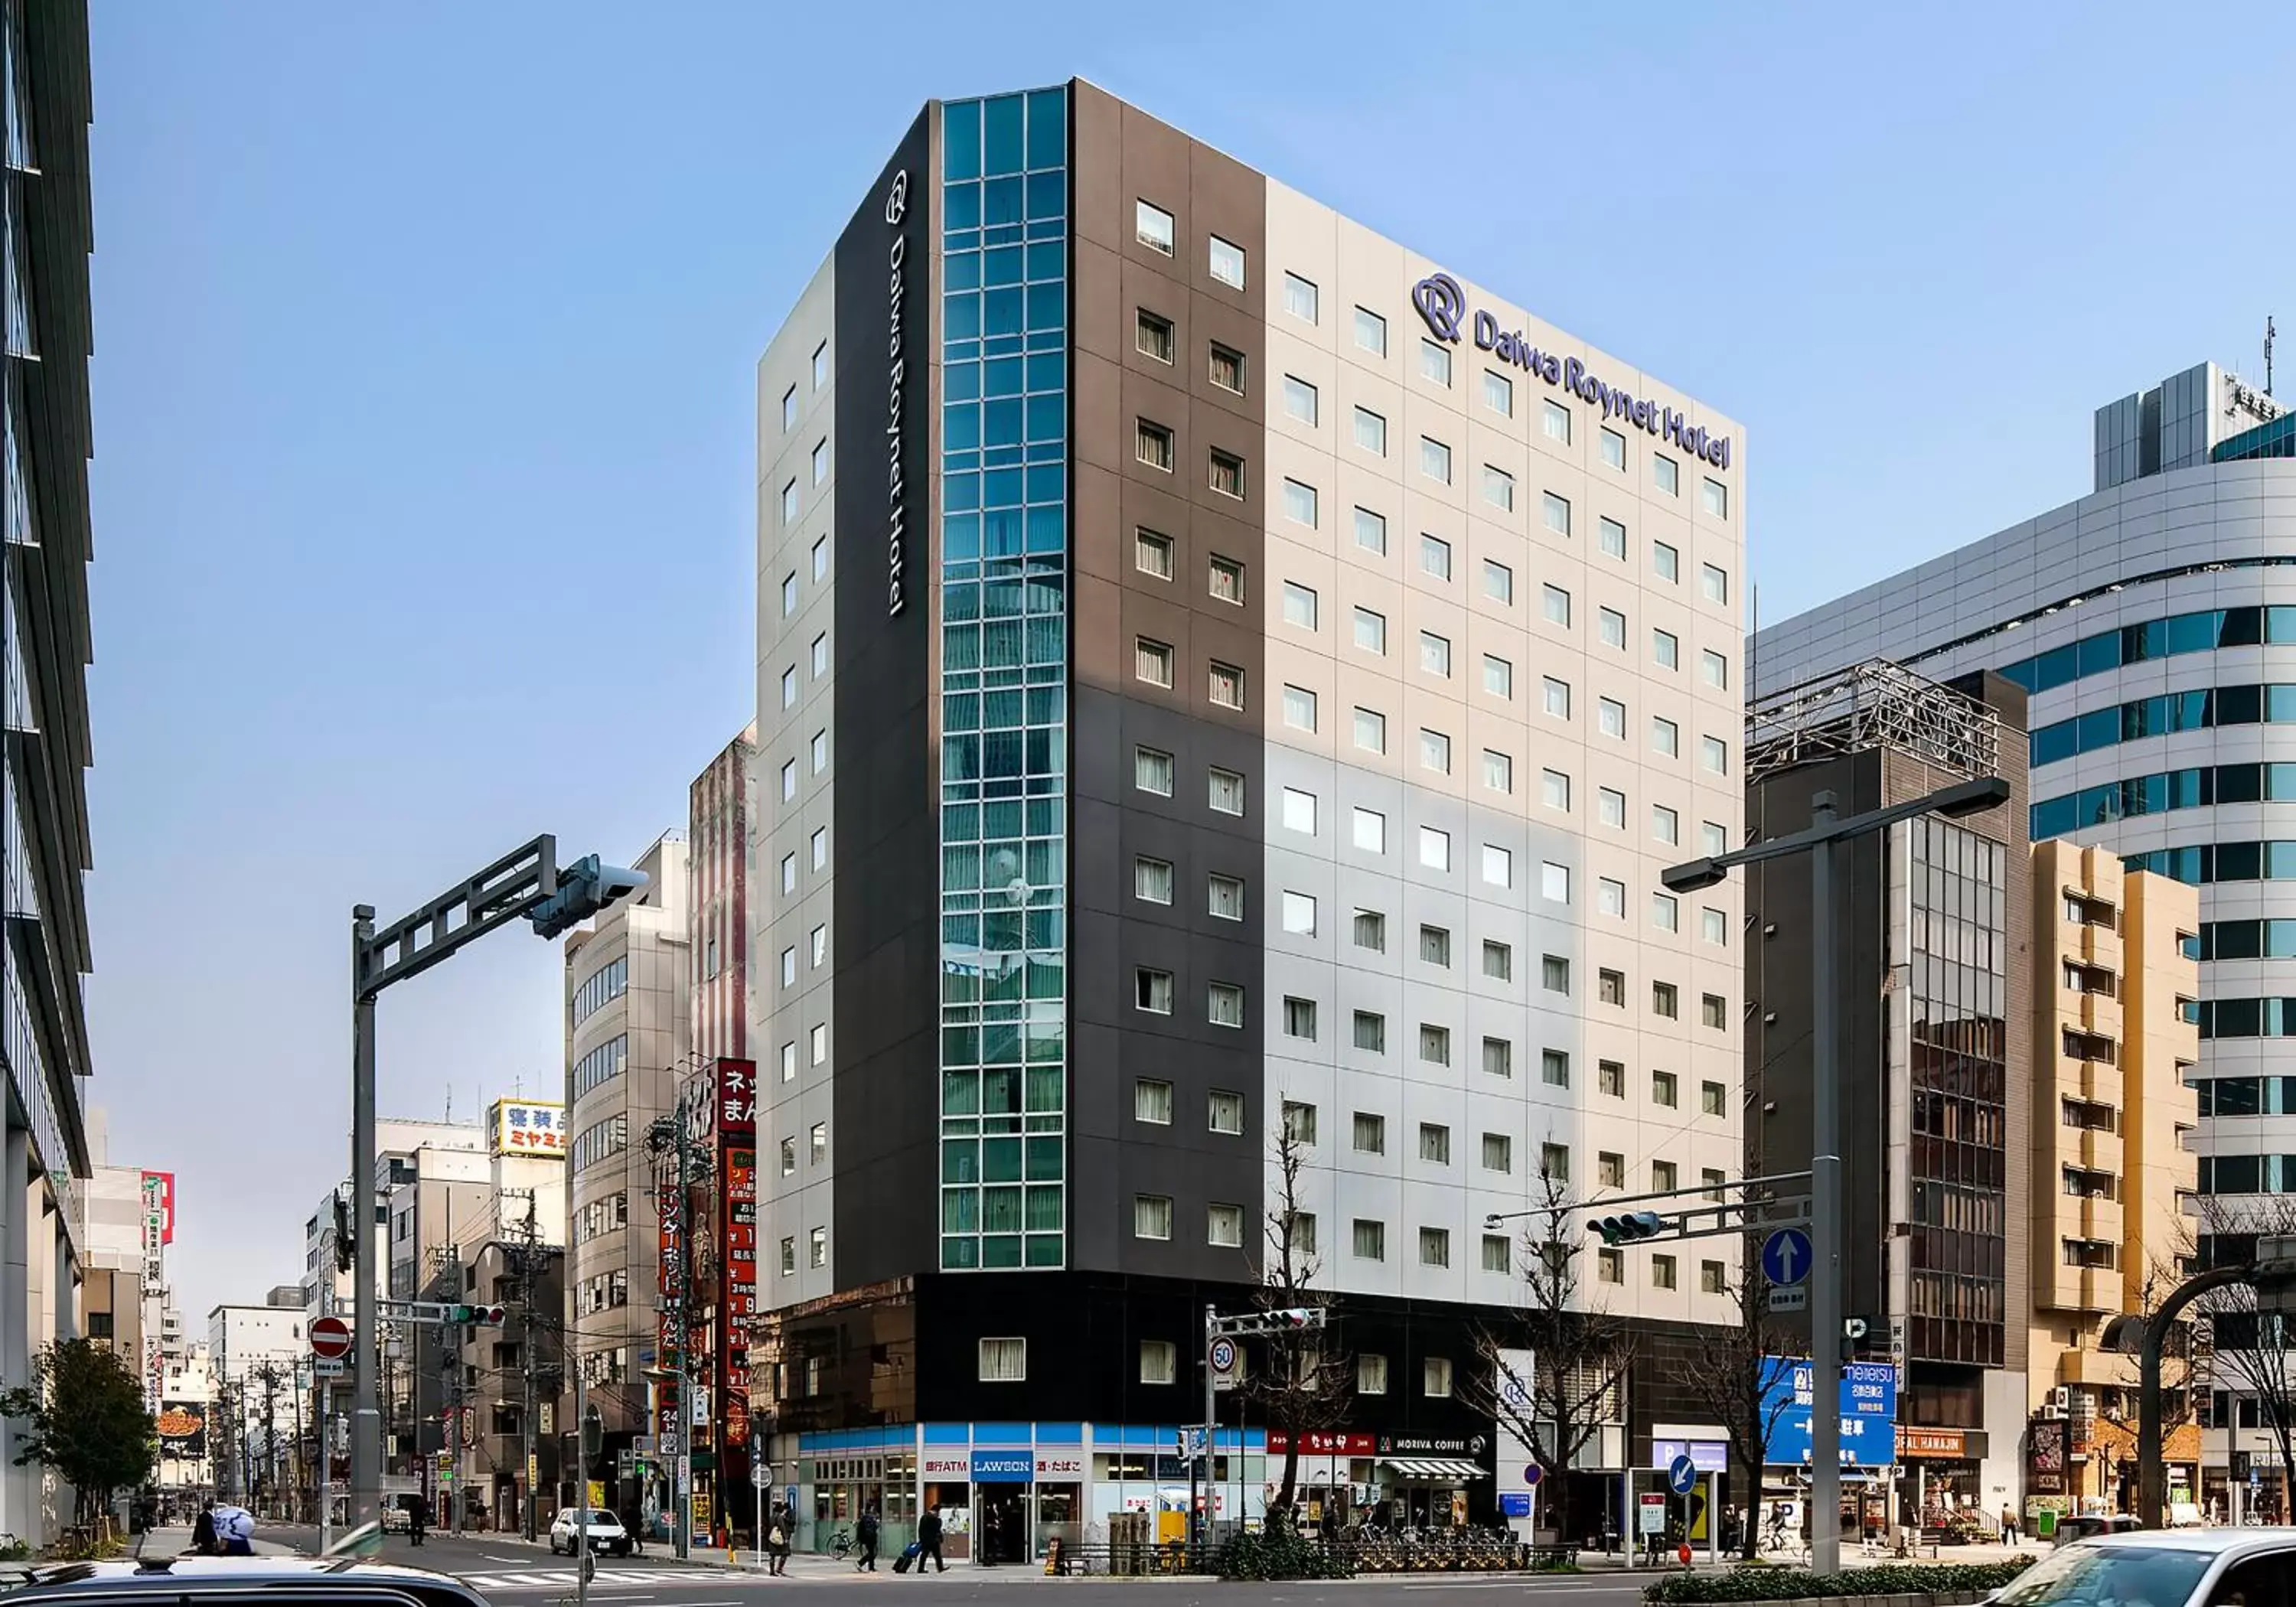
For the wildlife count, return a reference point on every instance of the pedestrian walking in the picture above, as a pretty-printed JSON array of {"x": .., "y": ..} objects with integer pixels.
[
  {"x": 418, "y": 1513},
  {"x": 203, "y": 1530},
  {"x": 2009, "y": 1526},
  {"x": 928, "y": 1542},
  {"x": 777, "y": 1543},
  {"x": 865, "y": 1534}
]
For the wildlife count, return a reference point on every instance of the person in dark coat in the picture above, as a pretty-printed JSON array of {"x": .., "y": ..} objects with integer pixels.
[
  {"x": 866, "y": 1533},
  {"x": 929, "y": 1541},
  {"x": 204, "y": 1535}
]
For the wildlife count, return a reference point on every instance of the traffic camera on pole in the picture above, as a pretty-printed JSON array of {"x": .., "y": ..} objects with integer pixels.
[
  {"x": 1629, "y": 1228},
  {"x": 585, "y": 889}
]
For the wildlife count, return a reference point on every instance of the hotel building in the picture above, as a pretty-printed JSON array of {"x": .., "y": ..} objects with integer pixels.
[{"x": 1218, "y": 674}]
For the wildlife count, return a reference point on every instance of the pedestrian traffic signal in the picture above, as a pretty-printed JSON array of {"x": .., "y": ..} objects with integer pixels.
[
  {"x": 1630, "y": 1227},
  {"x": 585, "y": 889}
]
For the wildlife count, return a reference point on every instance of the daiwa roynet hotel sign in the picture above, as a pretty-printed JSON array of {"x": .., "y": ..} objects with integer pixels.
[{"x": 1443, "y": 305}]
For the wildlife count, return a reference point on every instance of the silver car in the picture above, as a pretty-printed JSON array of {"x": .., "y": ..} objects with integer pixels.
[{"x": 2162, "y": 1568}]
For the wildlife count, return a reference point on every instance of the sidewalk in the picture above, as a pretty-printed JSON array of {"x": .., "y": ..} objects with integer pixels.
[{"x": 175, "y": 1540}]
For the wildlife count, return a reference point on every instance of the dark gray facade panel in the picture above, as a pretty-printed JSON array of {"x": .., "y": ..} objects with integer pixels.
[{"x": 885, "y": 925}]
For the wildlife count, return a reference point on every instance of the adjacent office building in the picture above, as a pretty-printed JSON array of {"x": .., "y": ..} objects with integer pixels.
[
  {"x": 1218, "y": 674},
  {"x": 2153, "y": 624},
  {"x": 45, "y": 627},
  {"x": 626, "y": 1032}
]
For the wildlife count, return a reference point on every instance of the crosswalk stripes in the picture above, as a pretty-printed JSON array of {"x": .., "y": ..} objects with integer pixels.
[{"x": 605, "y": 1578}]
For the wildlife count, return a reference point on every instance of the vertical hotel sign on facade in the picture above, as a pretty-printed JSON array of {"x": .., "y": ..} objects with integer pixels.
[
  {"x": 898, "y": 380},
  {"x": 737, "y": 1256}
]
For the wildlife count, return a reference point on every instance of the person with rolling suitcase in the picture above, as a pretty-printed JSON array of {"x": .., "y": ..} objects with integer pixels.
[{"x": 908, "y": 1555}]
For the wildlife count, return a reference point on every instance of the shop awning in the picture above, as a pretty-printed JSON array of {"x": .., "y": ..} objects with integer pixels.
[{"x": 1433, "y": 1470}]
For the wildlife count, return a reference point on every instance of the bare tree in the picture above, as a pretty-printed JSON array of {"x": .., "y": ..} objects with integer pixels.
[
  {"x": 1580, "y": 1354},
  {"x": 1305, "y": 1381},
  {"x": 2251, "y": 1350},
  {"x": 1731, "y": 1376}
]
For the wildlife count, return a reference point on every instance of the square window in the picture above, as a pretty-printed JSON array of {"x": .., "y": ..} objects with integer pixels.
[
  {"x": 1666, "y": 737},
  {"x": 1611, "y": 537},
  {"x": 1152, "y": 445},
  {"x": 1555, "y": 513},
  {"x": 1152, "y": 880},
  {"x": 1435, "y": 947},
  {"x": 1666, "y": 561},
  {"x": 1434, "y": 1044},
  {"x": 1711, "y": 1096},
  {"x": 821, "y": 365},
  {"x": 1224, "y": 1226},
  {"x": 788, "y": 780},
  {"x": 1300, "y": 1018},
  {"x": 1370, "y": 831},
  {"x": 1301, "y": 298},
  {"x": 1299, "y": 708},
  {"x": 1435, "y": 362},
  {"x": 1714, "y": 1010},
  {"x": 789, "y": 872},
  {"x": 1003, "y": 1361},
  {"x": 1299, "y": 914},
  {"x": 1152, "y": 1102},
  {"x": 1611, "y": 896},
  {"x": 1498, "y": 961},
  {"x": 1151, "y": 554},
  {"x": 1435, "y": 654},
  {"x": 1498, "y": 1057},
  {"x": 1370, "y": 1033},
  {"x": 1371, "y": 930},
  {"x": 1554, "y": 1162},
  {"x": 788, "y": 594},
  {"x": 1223, "y": 1004},
  {"x": 821, "y": 655},
  {"x": 1434, "y": 848},
  {"x": 1498, "y": 581},
  {"x": 1371, "y": 331},
  {"x": 1299, "y": 605},
  {"x": 820, "y": 462},
  {"x": 1435, "y": 1251},
  {"x": 820, "y": 951},
  {"x": 1554, "y": 790},
  {"x": 1714, "y": 582},
  {"x": 788, "y": 1062},
  {"x": 1611, "y": 1266},
  {"x": 1371, "y": 1374},
  {"x": 1717, "y": 498},
  {"x": 1299, "y": 1122},
  {"x": 1665, "y": 825},
  {"x": 1555, "y": 974},
  {"x": 1496, "y": 1254},
  {"x": 1554, "y": 1068},
  {"x": 1370, "y": 1240},
  {"x": 1152, "y": 661},
  {"x": 789, "y": 966},
  {"x": 1663, "y": 1090},
  {"x": 821, "y": 558},
  {"x": 1298, "y": 811},
  {"x": 818, "y": 1045},
  {"x": 1371, "y": 431},
  {"x": 1714, "y": 754},
  {"x": 1554, "y": 422},
  {"x": 1371, "y": 631},
  {"x": 1228, "y": 373},
  {"x": 1714, "y": 927},
  {"x": 789, "y": 410},
  {"x": 789, "y": 687},
  {"x": 818, "y": 843},
  {"x": 1662, "y": 1271},
  {"x": 1299, "y": 398},
  {"x": 1499, "y": 487},
  {"x": 1553, "y": 881},
  {"x": 1610, "y": 718},
  {"x": 1554, "y": 605},
  {"x": 1371, "y": 731},
  {"x": 1159, "y": 1361},
  {"x": 1498, "y": 867},
  {"x": 1151, "y": 1216},
  {"x": 1151, "y": 991},
  {"x": 1715, "y": 668},
  {"x": 1557, "y": 697},
  {"x": 1224, "y": 896},
  {"x": 1665, "y": 473},
  {"x": 1714, "y": 838},
  {"x": 1152, "y": 225},
  {"x": 1710, "y": 1277},
  {"x": 1666, "y": 912},
  {"x": 1227, "y": 262},
  {"x": 1225, "y": 686},
  {"x": 1665, "y": 1001},
  {"x": 1499, "y": 1154},
  {"x": 1152, "y": 771},
  {"x": 1435, "y": 556},
  {"x": 1370, "y": 1134},
  {"x": 1434, "y": 459},
  {"x": 1612, "y": 987},
  {"x": 1666, "y": 649},
  {"x": 1614, "y": 448},
  {"x": 1499, "y": 677},
  {"x": 1224, "y": 1111},
  {"x": 1224, "y": 790},
  {"x": 1371, "y": 531},
  {"x": 1499, "y": 771},
  {"x": 1226, "y": 474},
  {"x": 1435, "y": 752},
  {"x": 820, "y": 752},
  {"x": 1152, "y": 335},
  {"x": 1434, "y": 1144},
  {"x": 1610, "y": 808},
  {"x": 1498, "y": 393}
]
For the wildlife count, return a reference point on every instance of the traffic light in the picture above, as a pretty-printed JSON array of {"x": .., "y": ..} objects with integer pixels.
[
  {"x": 594, "y": 1434},
  {"x": 1295, "y": 1316},
  {"x": 1630, "y": 1227},
  {"x": 585, "y": 887},
  {"x": 484, "y": 1316},
  {"x": 346, "y": 1246}
]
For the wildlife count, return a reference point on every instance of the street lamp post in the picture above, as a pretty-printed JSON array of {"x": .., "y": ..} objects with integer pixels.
[{"x": 1827, "y": 831}]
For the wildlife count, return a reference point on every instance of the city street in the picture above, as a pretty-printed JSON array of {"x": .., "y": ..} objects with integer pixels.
[{"x": 511, "y": 1570}]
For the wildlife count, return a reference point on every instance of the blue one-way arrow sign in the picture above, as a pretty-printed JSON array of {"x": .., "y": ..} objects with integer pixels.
[{"x": 1786, "y": 1257}]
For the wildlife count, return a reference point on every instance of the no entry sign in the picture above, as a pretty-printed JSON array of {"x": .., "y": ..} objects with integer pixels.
[{"x": 330, "y": 1337}]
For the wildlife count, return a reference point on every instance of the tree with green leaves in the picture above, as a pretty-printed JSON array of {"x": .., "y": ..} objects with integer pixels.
[{"x": 83, "y": 1417}]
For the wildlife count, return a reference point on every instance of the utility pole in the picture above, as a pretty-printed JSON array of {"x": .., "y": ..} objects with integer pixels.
[{"x": 269, "y": 1375}]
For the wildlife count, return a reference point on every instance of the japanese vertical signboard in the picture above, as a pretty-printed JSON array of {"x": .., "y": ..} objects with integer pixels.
[
  {"x": 527, "y": 1127},
  {"x": 737, "y": 1239}
]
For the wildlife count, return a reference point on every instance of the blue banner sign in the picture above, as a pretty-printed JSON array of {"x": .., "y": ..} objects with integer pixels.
[
  {"x": 1007, "y": 1467},
  {"x": 1868, "y": 1406}
]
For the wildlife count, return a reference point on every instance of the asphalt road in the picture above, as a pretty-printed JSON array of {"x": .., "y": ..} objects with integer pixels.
[{"x": 521, "y": 1575}]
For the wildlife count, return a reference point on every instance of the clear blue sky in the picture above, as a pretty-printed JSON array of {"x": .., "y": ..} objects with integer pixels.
[{"x": 426, "y": 335}]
